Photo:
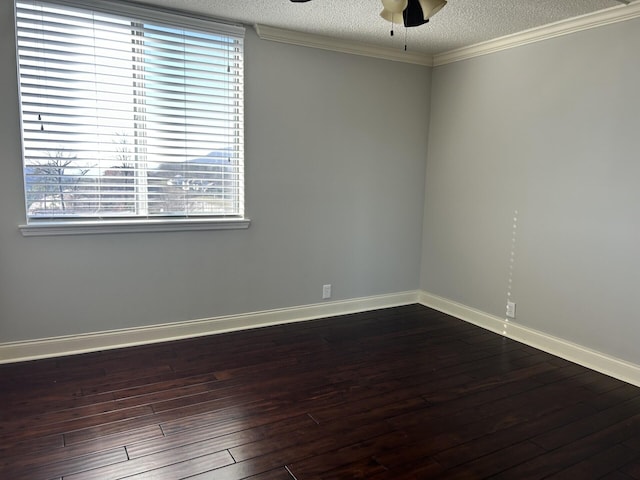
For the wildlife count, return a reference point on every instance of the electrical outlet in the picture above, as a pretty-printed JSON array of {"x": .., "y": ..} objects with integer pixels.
[
  {"x": 511, "y": 309},
  {"x": 326, "y": 292}
]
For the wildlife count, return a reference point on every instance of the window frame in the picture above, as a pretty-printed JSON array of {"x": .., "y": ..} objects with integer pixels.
[{"x": 134, "y": 224}]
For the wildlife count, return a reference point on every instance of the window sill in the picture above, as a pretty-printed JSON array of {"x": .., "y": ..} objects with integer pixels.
[{"x": 91, "y": 227}]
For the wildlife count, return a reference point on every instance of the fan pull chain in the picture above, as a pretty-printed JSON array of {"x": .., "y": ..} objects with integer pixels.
[
  {"x": 393, "y": 24},
  {"x": 406, "y": 30}
]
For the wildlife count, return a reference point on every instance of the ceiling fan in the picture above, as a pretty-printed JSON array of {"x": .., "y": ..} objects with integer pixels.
[{"x": 411, "y": 13}]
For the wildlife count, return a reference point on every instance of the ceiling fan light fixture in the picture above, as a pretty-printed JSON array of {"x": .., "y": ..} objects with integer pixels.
[
  {"x": 394, "y": 6},
  {"x": 391, "y": 16},
  {"x": 431, "y": 7}
]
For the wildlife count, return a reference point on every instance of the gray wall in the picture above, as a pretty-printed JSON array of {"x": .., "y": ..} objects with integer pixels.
[
  {"x": 335, "y": 165},
  {"x": 549, "y": 131},
  {"x": 336, "y": 147}
]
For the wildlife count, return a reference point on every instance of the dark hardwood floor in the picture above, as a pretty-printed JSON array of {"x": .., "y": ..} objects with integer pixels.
[{"x": 402, "y": 393}]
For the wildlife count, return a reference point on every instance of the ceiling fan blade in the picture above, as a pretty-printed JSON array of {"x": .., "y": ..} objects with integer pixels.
[{"x": 413, "y": 15}]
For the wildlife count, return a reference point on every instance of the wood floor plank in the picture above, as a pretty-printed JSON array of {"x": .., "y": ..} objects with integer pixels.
[
  {"x": 16, "y": 434},
  {"x": 600, "y": 464},
  {"x": 359, "y": 469},
  {"x": 488, "y": 465},
  {"x": 52, "y": 455},
  {"x": 110, "y": 385},
  {"x": 236, "y": 436},
  {"x": 312, "y": 440},
  {"x": 634, "y": 442},
  {"x": 496, "y": 439},
  {"x": 205, "y": 456},
  {"x": 575, "y": 452},
  {"x": 53, "y": 418},
  {"x": 632, "y": 470},
  {"x": 274, "y": 454},
  {"x": 34, "y": 404},
  {"x": 616, "y": 475},
  {"x": 67, "y": 466},
  {"x": 119, "y": 427},
  {"x": 566, "y": 434},
  {"x": 342, "y": 460},
  {"x": 420, "y": 469},
  {"x": 276, "y": 474},
  {"x": 465, "y": 436},
  {"x": 31, "y": 446},
  {"x": 187, "y": 468}
]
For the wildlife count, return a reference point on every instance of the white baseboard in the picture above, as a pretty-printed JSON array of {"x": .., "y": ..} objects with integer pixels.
[
  {"x": 91, "y": 342},
  {"x": 614, "y": 367}
]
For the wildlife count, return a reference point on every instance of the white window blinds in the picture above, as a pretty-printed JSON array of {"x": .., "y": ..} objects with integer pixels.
[{"x": 129, "y": 112}]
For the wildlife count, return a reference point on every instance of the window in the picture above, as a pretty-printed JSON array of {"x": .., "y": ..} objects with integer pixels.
[{"x": 129, "y": 114}]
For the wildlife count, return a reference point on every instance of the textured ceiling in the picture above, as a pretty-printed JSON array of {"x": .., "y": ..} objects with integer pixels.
[{"x": 461, "y": 23}]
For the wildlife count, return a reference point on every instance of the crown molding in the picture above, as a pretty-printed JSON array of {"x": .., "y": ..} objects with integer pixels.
[
  {"x": 611, "y": 15},
  {"x": 564, "y": 27},
  {"x": 327, "y": 43}
]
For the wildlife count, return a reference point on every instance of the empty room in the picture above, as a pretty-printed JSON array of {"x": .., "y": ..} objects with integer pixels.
[{"x": 294, "y": 240}]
